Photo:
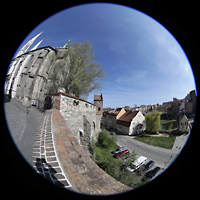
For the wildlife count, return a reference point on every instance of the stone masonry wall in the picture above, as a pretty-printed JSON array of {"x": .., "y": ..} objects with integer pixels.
[{"x": 79, "y": 115}]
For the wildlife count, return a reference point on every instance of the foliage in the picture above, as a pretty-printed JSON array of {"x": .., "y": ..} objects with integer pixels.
[
  {"x": 164, "y": 142},
  {"x": 162, "y": 108},
  {"x": 117, "y": 168},
  {"x": 153, "y": 121},
  {"x": 170, "y": 128},
  {"x": 77, "y": 72},
  {"x": 92, "y": 149},
  {"x": 57, "y": 69},
  {"x": 106, "y": 140}
]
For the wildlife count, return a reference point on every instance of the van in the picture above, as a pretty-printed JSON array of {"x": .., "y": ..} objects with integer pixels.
[{"x": 136, "y": 164}]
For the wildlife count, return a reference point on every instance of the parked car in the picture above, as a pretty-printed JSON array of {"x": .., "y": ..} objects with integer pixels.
[
  {"x": 121, "y": 153},
  {"x": 150, "y": 174},
  {"x": 136, "y": 164},
  {"x": 149, "y": 165},
  {"x": 118, "y": 150}
]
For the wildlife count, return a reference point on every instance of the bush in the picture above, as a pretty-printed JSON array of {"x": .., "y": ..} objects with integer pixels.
[
  {"x": 105, "y": 140},
  {"x": 117, "y": 168},
  {"x": 92, "y": 149}
]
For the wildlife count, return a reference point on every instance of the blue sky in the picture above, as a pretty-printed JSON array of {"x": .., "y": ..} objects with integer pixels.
[{"x": 143, "y": 62}]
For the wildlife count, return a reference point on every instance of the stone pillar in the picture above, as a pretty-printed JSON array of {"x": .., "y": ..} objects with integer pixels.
[{"x": 57, "y": 101}]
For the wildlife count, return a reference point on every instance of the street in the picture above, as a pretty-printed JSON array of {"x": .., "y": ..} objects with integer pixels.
[
  {"x": 23, "y": 124},
  {"x": 162, "y": 157}
]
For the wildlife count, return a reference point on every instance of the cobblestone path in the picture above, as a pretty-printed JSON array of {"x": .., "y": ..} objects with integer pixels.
[{"x": 45, "y": 159}]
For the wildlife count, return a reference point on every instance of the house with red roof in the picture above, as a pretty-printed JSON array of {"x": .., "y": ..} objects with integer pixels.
[
  {"x": 109, "y": 118},
  {"x": 131, "y": 123}
]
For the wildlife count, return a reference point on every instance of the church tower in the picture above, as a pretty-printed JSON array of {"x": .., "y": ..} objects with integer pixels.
[
  {"x": 28, "y": 44},
  {"x": 98, "y": 102}
]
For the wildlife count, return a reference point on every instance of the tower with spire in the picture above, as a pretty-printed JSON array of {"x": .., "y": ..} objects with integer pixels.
[
  {"x": 28, "y": 44},
  {"x": 15, "y": 68}
]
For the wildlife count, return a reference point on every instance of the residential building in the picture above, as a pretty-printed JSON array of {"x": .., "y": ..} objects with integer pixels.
[
  {"x": 131, "y": 123},
  {"x": 110, "y": 118},
  {"x": 185, "y": 124}
]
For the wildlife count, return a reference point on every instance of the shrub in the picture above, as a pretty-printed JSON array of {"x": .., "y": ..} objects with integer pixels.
[
  {"x": 92, "y": 149},
  {"x": 105, "y": 140}
]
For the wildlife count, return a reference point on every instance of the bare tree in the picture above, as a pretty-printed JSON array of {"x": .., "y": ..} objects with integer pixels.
[{"x": 77, "y": 72}]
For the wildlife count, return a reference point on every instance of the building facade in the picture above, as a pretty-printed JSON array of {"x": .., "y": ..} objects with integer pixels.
[
  {"x": 109, "y": 118},
  {"x": 131, "y": 123},
  {"x": 27, "y": 77},
  {"x": 28, "y": 80}
]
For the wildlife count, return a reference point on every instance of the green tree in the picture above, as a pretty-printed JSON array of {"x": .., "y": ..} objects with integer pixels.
[
  {"x": 92, "y": 149},
  {"x": 78, "y": 72},
  {"x": 105, "y": 139},
  {"x": 85, "y": 74},
  {"x": 170, "y": 128},
  {"x": 153, "y": 121}
]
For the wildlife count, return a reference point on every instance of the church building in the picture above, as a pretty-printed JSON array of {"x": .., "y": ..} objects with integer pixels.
[{"x": 28, "y": 81}]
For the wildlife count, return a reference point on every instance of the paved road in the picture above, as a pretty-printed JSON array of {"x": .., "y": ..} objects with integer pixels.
[
  {"x": 162, "y": 157},
  {"x": 23, "y": 124}
]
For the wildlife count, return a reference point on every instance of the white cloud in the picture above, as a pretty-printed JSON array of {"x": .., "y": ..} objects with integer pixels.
[{"x": 170, "y": 57}]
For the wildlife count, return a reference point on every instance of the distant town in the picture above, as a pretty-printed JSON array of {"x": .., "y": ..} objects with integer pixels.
[{"x": 131, "y": 120}]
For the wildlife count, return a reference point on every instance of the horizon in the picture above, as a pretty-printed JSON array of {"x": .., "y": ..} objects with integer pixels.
[{"x": 139, "y": 105}]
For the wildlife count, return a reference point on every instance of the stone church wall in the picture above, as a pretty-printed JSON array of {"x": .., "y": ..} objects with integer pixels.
[{"x": 28, "y": 75}]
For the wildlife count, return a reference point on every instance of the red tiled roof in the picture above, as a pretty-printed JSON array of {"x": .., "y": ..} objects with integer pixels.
[
  {"x": 128, "y": 116},
  {"x": 74, "y": 97},
  {"x": 98, "y": 97}
]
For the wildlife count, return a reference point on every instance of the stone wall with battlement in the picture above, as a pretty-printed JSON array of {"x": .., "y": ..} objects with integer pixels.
[{"x": 80, "y": 116}]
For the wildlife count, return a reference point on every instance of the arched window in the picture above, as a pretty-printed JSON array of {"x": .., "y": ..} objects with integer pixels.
[{"x": 99, "y": 108}]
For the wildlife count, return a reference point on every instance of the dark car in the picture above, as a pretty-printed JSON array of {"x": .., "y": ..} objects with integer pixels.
[
  {"x": 156, "y": 170},
  {"x": 150, "y": 174},
  {"x": 149, "y": 165}
]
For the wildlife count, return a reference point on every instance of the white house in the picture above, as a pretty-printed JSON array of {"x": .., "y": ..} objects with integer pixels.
[
  {"x": 131, "y": 123},
  {"x": 185, "y": 125}
]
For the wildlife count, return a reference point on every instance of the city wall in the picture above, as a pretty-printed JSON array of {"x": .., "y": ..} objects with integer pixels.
[{"x": 80, "y": 116}]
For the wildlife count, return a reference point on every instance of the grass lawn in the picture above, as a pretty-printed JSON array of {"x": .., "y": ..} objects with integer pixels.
[
  {"x": 104, "y": 152},
  {"x": 164, "y": 142},
  {"x": 167, "y": 121}
]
